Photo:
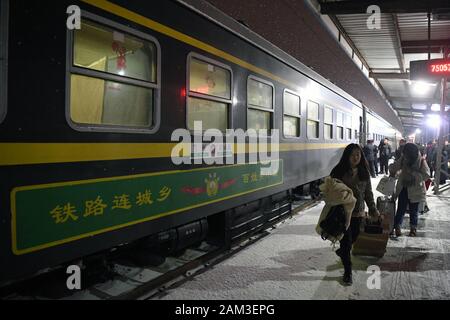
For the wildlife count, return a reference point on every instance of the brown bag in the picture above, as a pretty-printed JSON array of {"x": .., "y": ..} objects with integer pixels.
[{"x": 371, "y": 244}]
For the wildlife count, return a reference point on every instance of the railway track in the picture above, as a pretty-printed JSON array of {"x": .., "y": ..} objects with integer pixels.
[{"x": 118, "y": 278}]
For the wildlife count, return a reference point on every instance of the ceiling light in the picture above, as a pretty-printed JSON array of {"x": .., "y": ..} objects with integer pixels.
[
  {"x": 433, "y": 121},
  {"x": 421, "y": 88},
  {"x": 435, "y": 107}
]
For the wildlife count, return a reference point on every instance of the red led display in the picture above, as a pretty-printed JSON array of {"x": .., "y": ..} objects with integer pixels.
[
  {"x": 429, "y": 70},
  {"x": 440, "y": 68}
]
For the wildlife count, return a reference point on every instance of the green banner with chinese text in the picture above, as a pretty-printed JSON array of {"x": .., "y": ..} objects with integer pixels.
[{"x": 49, "y": 215}]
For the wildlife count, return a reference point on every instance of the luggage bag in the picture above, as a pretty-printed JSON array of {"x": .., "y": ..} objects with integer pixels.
[
  {"x": 372, "y": 241},
  {"x": 386, "y": 207}
]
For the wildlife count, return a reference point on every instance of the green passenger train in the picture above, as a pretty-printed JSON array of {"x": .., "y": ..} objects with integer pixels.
[{"x": 88, "y": 107}]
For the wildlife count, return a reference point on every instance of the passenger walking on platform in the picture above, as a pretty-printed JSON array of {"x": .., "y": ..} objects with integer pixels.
[
  {"x": 385, "y": 155},
  {"x": 375, "y": 154},
  {"x": 447, "y": 148},
  {"x": 410, "y": 189},
  {"x": 423, "y": 206},
  {"x": 370, "y": 154},
  {"x": 353, "y": 170},
  {"x": 444, "y": 165},
  {"x": 430, "y": 155}
]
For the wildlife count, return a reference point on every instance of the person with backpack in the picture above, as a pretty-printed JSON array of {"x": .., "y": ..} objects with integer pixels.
[
  {"x": 353, "y": 171},
  {"x": 410, "y": 189}
]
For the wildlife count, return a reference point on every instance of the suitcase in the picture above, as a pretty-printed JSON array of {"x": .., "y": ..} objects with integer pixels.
[
  {"x": 386, "y": 207},
  {"x": 370, "y": 244},
  {"x": 372, "y": 241}
]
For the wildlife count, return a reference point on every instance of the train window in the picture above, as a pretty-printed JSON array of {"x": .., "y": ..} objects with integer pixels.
[
  {"x": 258, "y": 120},
  {"x": 212, "y": 114},
  {"x": 3, "y": 57},
  {"x": 107, "y": 50},
  {"x": 348, "y": 120},
  {"x": 313, "y": 120},
  {"x": 340, "y": 133},
  {"x": 292, "y": 115},
  {"x": 209, "y": 79},
  {"x": 260, "y": 94},
  {"x": 260, "y": 101},
  {"x": 328, "y": 123},
  {"x": 109, "y": 102},
  {"x": 340, "y": 125},
  {"x": 114, "y": 78},
  {"x": 209, "y": 90}
]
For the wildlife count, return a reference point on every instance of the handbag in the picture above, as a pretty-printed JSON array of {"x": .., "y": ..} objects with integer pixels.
[
  {"x": 386, "y": 185},
  {"x": 334, "y": 223},
  {"x": 373, "y": 227}
]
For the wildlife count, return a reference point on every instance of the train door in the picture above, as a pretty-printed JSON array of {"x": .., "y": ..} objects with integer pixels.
[{"x": 361, "y": 130}]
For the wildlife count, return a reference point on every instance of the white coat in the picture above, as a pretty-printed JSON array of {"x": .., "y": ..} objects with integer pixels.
[
  {"x": 336, "y": 193},
  {"x": 412, "y": 177}
]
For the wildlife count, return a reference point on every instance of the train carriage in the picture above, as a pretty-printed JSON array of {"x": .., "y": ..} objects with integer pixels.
[{"x": 88, "y": 116}]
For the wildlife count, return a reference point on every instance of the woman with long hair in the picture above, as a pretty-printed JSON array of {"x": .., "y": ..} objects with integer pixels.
[
  {"x": 353, "y": 171},
  {"x": 410, "y": 189}
]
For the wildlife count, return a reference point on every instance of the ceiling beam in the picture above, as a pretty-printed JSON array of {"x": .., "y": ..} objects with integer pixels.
[
  {"x": 343, "y": 33},
  {"x": 426, "y": 43},
  {"x": 398, "y": 43},
  {"x": 415, "y": 100},
  {"x": 412, "y": 50},
  {"x": 391, "y": 6},
  {"x": 424, "y": 112},
  {"x": 355, "y": 50},
  {"x": 411, "y": 117},
  {"x": 389, "y": 75}
]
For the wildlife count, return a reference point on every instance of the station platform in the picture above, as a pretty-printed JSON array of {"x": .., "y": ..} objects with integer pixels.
[{"x": 294, "y": 263}]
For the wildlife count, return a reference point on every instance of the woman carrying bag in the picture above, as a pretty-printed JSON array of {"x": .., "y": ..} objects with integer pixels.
[
  {"x": 353, "y": 171},
  {"x": 410, "y": 189}
]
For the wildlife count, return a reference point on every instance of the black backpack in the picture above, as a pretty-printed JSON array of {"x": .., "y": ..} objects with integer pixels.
[{"x": 334, "y": 224}]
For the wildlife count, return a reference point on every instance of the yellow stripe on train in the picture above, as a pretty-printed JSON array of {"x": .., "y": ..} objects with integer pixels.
[{"x": 46, "y": 153}]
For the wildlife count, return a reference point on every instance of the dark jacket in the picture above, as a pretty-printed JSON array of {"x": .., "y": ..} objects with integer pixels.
[
  {"x": 362, "y": 191},
  {"x": 431, "y": 154},
  {"x": 385, "y": 151},
  {"x": 444, "y": 166},
  {"x": 370, "y": 152}
]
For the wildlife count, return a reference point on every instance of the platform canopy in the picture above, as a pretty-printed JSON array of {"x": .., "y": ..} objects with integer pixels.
[{"x": 410, "y": 30}]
